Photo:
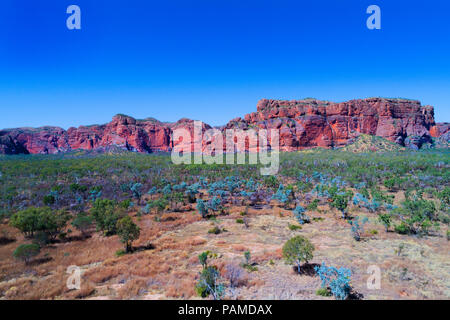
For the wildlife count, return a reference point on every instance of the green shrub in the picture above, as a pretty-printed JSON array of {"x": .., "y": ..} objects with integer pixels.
[
  {"x": 120, "y": 253},
  {"x": 271, "y": 182},
  {"x": 247, "y": 256},
  {"x": 294, "y": 227},
  {"x": 416, "y": 214},
  {"x": 125, "y": 204},
  {"x": 82, "y": 223},
  {"x": 239, "y": 220},
  {"x": 26, "y": 252},
  {"x": 250, "y": 267},
  {"x": 41, "y": 238},
  {"x": 313, "y": 205},
  {"x": 160, "y": 204},
  {"x": 393, "y": 184},
  {"x": 444, "y": 196},
  {"x": 402, "y": 228},
  {"x": 324, "y": 292},
  {"x": 215, "y": 230},
  {"x": 75, "y": 187},
  {"x": 49, "y": 200}
]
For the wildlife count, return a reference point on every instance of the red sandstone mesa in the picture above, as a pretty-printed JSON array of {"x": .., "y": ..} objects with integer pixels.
[{"x": 302, "y": 124}]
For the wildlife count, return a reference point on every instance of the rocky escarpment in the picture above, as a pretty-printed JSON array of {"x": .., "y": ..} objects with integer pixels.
[
  {"x": 123, "y": 132},
  {"x": 301, "y": 123},
  {"x": 312, "y": 123}
]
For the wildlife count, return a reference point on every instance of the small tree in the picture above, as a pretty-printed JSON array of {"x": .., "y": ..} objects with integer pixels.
[
  {"x": 214, "y": 204},
  {"x": 27, "y": 221},
  {"x": 77, "y": 188},
  {"x": 152, "y": 192},
  {"x": 385, "y": 219},
  {"x": 358, "y": 227},
  {"x": 83, "y": 223},
  {"x": 247, "y": 257},
  {"x": 201, "y": 207},
  {"x": 136, "y": 189},
  {"x": 128, "y": 231},
  {"x": 26, "y": 252},
  {"x": 210, "y": 283},
  {"x": 299, "y": 213},
  {"x": 191, "y": 191},
  {"x": 106, "y": 213},
  {"x": 390, "y": 184},
  {"x": 160, "y": 204},
  {"x": 283, "y": 195},
  {"x": 95, "y": 193},
  {"x": 338, "y": 280},
  {"x": 53, "y": 223},
  {"x": 32, "y": 220},
  {"x": 298, "y": 249},
  {"x": 203, "y": 259},
  {"x": 340, "y": 202},
  {"x": 49, "y": 200},
  {"x": 179, "y": 197}
]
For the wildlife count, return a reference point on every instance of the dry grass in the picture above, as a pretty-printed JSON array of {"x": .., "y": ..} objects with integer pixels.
[{"x": 171, "y": 269}]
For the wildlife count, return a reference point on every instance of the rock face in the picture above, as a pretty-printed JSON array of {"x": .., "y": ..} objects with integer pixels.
[
  {"x": 301, "y": 124},
  {"x": 440, "y": 129},
  {"x": 30, "y": 140},
  {"x": 314, "y": 123}
]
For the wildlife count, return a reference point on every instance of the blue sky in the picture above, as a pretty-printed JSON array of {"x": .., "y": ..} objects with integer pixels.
[{"x": 213, "y": 60}]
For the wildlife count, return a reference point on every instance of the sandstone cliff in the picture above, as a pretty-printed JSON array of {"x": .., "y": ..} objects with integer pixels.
[
  {"x": 311, "y": 123},
  {"x": 302, "y": 124}
]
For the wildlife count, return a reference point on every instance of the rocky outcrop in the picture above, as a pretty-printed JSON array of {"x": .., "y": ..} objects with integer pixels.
[
  {"x": 301, "y": 124},
  {"x": 440, "y": 129},
  {"x": 31, "y": 140},
  {"x": 314, "y": 123}
]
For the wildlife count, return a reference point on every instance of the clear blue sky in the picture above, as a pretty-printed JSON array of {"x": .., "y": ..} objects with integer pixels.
[{"x": 213, "y": 59}]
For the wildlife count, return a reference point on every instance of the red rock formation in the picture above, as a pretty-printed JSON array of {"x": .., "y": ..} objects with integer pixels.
[
  {"x": 301, "y": 123},
  {"x": 188, "y": 124},
  {"x": 439, "y": 129},
  {"x": 311, "y": 123},
  {"x": 39, "y": 140}
]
